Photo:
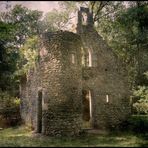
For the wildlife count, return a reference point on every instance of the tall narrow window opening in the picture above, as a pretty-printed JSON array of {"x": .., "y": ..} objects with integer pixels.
[
  {"x": 73, "y": 58},
  {"x": 107, "y": 98},
  {"x": 39, "y": 112},
  {"x": 89, "y": 58}
]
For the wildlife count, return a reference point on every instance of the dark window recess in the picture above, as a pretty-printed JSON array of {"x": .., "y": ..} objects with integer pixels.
[{"x": 39, "y": 112}]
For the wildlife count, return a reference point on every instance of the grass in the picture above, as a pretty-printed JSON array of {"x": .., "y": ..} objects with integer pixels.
[{"x": 23, "y": 137}]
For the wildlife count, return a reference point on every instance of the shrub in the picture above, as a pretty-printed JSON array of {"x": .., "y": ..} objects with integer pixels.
[
  {"x": 9, "y": 110},
  {"x": 7, "y": 101},
  {"x": 138, "y": 123},
  {"x": 141, "y": 106}
]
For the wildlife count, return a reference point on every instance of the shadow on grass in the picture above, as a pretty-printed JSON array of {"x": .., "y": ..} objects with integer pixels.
[
  {"x": 21, "y": 137},
  {"x": 143, "y": 137}
]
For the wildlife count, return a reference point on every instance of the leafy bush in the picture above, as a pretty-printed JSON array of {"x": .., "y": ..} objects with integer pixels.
[
  {"x": 9, "y": 110},
  {"x": 7, "y": 101},
  {"x": 141, "y": 105},
  {"x": 138, "y": 123}
]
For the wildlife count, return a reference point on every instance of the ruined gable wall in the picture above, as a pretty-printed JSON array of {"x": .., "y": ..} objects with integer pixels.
[{"x": 108, "y": 77}]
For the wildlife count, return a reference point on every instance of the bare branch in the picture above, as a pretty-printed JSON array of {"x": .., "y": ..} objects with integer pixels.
[
  {"x": 71, "y": 17},
  {"x": 101, "y": 6},
  {"x": 92, "y": 6},
  {"x": 85, "y": 3},
  {"x": 97, "y": 18}
]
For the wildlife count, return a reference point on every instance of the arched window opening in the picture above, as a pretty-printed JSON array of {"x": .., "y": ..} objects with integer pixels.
[
  {"x": 84, "y": 18},
  {"x": 88, "y": 58}
]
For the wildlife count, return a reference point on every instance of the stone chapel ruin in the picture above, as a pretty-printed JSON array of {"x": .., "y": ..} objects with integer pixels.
[{"x": 77, "y": 83}]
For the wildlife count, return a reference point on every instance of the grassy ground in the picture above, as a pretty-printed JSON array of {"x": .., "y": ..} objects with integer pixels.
[{"x": 21, "y": 137}]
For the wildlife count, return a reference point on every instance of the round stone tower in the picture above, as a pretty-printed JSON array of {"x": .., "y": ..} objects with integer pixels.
[{"x": 60, "y": 72}]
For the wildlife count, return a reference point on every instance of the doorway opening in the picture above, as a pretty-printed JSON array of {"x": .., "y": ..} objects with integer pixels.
[
  {"x": 39, "y": 112},
  {"x": 87, "y": 109}
]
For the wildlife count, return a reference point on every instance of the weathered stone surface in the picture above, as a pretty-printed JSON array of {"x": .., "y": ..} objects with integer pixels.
[
  {"x": 60, "y": 82},
  {"x": 61, "y": 77}
]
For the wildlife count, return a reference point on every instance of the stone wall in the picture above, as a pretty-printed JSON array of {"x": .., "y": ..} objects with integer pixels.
[
  {"x": 60, "y": 76},
  {"x": 105, "y": 77},
  {"x": 61, "y": 83},
  {"x": 59, "y": 79},
  {"x": 29, "y": 94}
]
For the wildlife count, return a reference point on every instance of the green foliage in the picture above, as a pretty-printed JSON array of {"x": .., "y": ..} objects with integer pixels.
[
  {"x": 8, "y": 102},
  {"x": 60, "y": 20},
  {"x": 6, "y": 31},
  {"x": 29, "y": 54},
  {"x": 138, "y": 123},
  {"x": 7, "y": 58},
  {"x": 16, "y": 26},
  {"x": 24, "y": 20},
  {"x": 55, "y": 20},
  {"x": 142, "y": 104},
  {"x": 135, "y": 124},
  {"x": 9, "y": 110}
]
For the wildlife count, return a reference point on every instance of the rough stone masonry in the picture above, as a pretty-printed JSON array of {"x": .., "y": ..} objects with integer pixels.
[{"x": 77, "y": 80}]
